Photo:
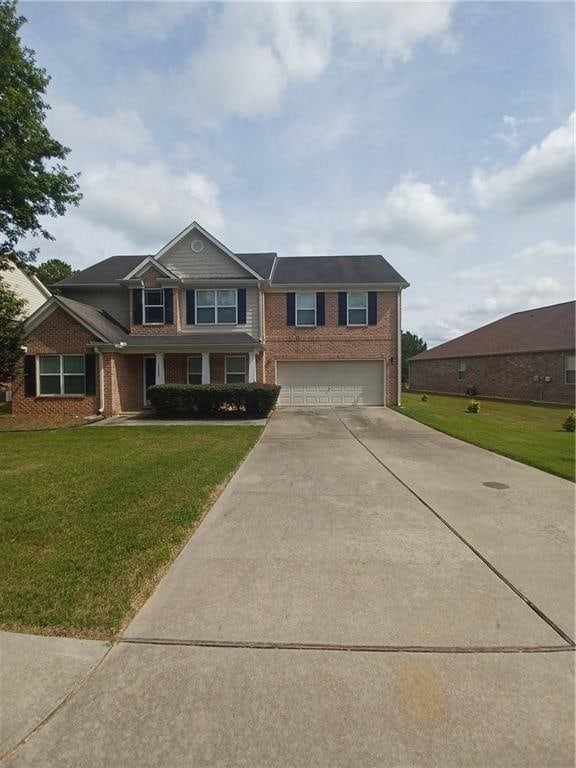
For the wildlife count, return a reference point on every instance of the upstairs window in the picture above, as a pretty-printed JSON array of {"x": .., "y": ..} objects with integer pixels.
[
  {"x": 153, "y": 306},
  {"x": 61, "y": 375},
  {"x": 305, "y": 309},
  {"x": 357, "y": 308},
  {"x": 461, "y": 370},
  {"x": 569, "y": 369},
  {"x": 217, "y": 307}
]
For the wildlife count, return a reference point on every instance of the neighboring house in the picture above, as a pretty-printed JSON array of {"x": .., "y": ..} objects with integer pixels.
[
  {"x": 26, "y": 287},
  {"x": 525, "y": 356},
  {"x": 326, "y": 328}
]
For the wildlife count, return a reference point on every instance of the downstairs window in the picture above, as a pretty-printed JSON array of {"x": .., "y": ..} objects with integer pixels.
[{"x": 61, "y": 375}]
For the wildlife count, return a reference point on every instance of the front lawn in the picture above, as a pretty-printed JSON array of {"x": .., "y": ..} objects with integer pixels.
[
  {"x": 526, "y": 432},
  {"x": 90, "y": 517}
]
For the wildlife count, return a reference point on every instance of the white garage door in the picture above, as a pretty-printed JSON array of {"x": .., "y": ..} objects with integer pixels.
[{"x": 349, "y": 382}]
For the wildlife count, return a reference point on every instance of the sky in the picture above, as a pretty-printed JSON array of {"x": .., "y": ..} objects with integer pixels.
[{"x": 439, "y": 135}]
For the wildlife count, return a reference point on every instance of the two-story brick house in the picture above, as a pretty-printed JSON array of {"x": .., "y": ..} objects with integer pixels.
[{"x": 327, "y": 329}]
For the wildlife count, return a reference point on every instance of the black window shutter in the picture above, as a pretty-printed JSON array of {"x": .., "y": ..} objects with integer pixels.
[
  {"x": 291, "y": 309},
  {"x": 30, "y": 376},
  {"x": 320, "y": 309},
  {"x": 372, "y": 308},
  {"x": 90, "y": 374},
  {"x": 168, "y": 306},
  {"x": 137, "y": 306},
  {"x": 241, "y": 306},
  {"x": 342, "y": 308},
  {"x": 190, "y": 307}
]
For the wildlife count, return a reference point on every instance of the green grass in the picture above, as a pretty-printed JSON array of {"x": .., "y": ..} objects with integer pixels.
[
  {"x": 91, "y": 516},
  {"x": 526, "y": 432}
]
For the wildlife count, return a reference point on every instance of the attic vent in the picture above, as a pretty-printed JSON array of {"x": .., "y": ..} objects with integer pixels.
[{"x": 197, "y": 246}]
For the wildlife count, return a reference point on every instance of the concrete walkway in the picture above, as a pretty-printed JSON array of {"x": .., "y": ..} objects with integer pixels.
[{"x": 358, "y": 596}]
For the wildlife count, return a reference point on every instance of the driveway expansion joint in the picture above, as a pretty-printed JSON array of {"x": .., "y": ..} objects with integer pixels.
[{"x": 569, "y": 640}]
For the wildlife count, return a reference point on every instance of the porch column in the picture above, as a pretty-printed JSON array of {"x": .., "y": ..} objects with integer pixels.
[
  {"x": 160, "y": 377},
  {"x": 251, "y": 367},
  {"x": 205, "y": 367}
]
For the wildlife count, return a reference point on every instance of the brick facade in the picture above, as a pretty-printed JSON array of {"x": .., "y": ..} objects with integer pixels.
[
  {"x": 332, "y": 341},
  {"x": 506, "y": 376}
]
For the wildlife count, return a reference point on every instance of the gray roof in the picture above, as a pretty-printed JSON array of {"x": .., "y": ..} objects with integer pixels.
[
  {"x": 192, "y": 340},
  {"x": 100, "y": 321},
  {"x": 335, "y": 270},
  {"x": 107, "y": 271},
  {"x": 259, "y": 262}
]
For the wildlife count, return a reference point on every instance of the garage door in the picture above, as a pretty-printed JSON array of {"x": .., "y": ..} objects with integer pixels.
[{"x": 358, "y": 382}]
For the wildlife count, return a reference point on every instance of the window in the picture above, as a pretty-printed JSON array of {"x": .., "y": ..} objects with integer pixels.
[
  {"x": 236, "y": 369},
  {"x": 357, "y": 308},
  {"x": 216, "y": 307},
  {"x": 61, "y": 375},
  {"x": 569, "y": 366},
  {"x": 153, "y": 307},
  {"x": 195, "y": 369},
  {"x": 305, "y": 309},
  {"x": 461, "y": 370}
]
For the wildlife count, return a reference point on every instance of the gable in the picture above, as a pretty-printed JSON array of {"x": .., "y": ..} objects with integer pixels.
[{"x": 209, "y": 261}]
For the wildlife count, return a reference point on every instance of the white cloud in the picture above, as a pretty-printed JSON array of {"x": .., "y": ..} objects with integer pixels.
[
  {"x": 542, "y": 177},
  {"x": 509, "y": 295},
  {"x": 417, "y": 305},
  {"x": 546, "y": 251},
  {"x": 121, "y": 131},
  {"x": 126, "y": 23},
  {"x": 413, "y": 214},
  {"x": 510, "y": 129},
  {"x": 148, "y": 203}
]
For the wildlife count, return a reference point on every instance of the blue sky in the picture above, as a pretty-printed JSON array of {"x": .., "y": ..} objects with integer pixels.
[{"x": 440, "y": 135}]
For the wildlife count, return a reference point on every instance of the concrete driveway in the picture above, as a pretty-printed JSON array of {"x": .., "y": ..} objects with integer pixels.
[{"x": 358, "y": 596}]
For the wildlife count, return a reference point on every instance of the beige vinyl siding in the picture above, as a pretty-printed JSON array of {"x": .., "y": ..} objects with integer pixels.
[
  {"x": 210, "y": 262},
  {"x": 251, "y": 327},
  {"x": 114, "y": 301},
  {"x": 26, "y": 289}
]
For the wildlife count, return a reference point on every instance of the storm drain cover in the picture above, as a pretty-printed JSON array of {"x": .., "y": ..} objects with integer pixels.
[{"x": 497, "y": 486}]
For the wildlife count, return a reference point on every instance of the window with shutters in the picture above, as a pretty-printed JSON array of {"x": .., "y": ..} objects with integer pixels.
[
  {"x": 305, "y": 309},
  {"x": 357, "y": 308},
  {"x": 61, "y": 375},
  {"x": 153, "y": 306},
  {"x": 195, "y": 369},
  {"x": 569, "y": 369},
  {"x": 217, "y": 307}
]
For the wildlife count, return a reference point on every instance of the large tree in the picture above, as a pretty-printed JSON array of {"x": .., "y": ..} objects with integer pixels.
[
  {"x": 51, "y": 271},
  {"x": 411, "y": 345},
  {"x": 11, "y": 329},
  {"x": 33, "y": 183}
]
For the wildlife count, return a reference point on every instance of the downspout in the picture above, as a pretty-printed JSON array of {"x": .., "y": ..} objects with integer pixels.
[
  {"x": 399, "y": 348},
  {"x": 101, "y": 374}
]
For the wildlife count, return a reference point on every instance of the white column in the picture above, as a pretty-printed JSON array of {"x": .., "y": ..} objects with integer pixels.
[
  {"x": 205, "y": 367},
  {"x": 252, "y": 368},
  {"x": 160, "y": 376}
]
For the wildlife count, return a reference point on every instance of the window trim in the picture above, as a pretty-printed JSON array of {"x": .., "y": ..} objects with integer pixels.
[
  {"x": 235, "y": 373},
  {"x": 348, "y": 308},
  {"x": 462, "y": 371},
  {"x": 61, "y": 375},
  {"x": 566, "y": 370},
  {"x": 216, "y": 305},
  {"x": 308, "y": 309},
  {"x": 193, "y": 357},
  {"x": 145, "y": 306}
]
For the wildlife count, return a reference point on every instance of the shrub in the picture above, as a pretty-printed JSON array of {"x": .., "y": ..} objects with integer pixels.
[
  {"x": 424, "y": 398},
  {"x": 473, "y": 407},
  {"x": 570, "y": 422},
  {"x": 205, "y": 401}
]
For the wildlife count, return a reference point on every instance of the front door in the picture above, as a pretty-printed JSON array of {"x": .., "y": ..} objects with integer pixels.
[{"x": 149, "y": 376}]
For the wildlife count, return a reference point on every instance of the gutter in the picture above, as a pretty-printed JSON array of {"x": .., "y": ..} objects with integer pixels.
[{"x": 101, "y": 377}]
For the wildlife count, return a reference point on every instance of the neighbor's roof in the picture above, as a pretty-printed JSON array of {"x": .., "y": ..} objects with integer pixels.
[
  {"x": 534, "y": 330},
  {"x": 293, "y": 270},
  {"x": 335, "y": 270}
]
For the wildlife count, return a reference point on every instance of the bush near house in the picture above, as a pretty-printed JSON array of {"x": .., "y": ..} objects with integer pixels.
[
  {"x": 205, "y": 401},
  {"x": 473, "y": 407},
  {"x": 570, "y": 423}
]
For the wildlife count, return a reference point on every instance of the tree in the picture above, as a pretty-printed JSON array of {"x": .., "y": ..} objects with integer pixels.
[
  {"x": 51, "y": 271},
  {"x": 411, "y": 345},
  {"x": 11, "y": 331},
  {"x": 33, "y": 184}
]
